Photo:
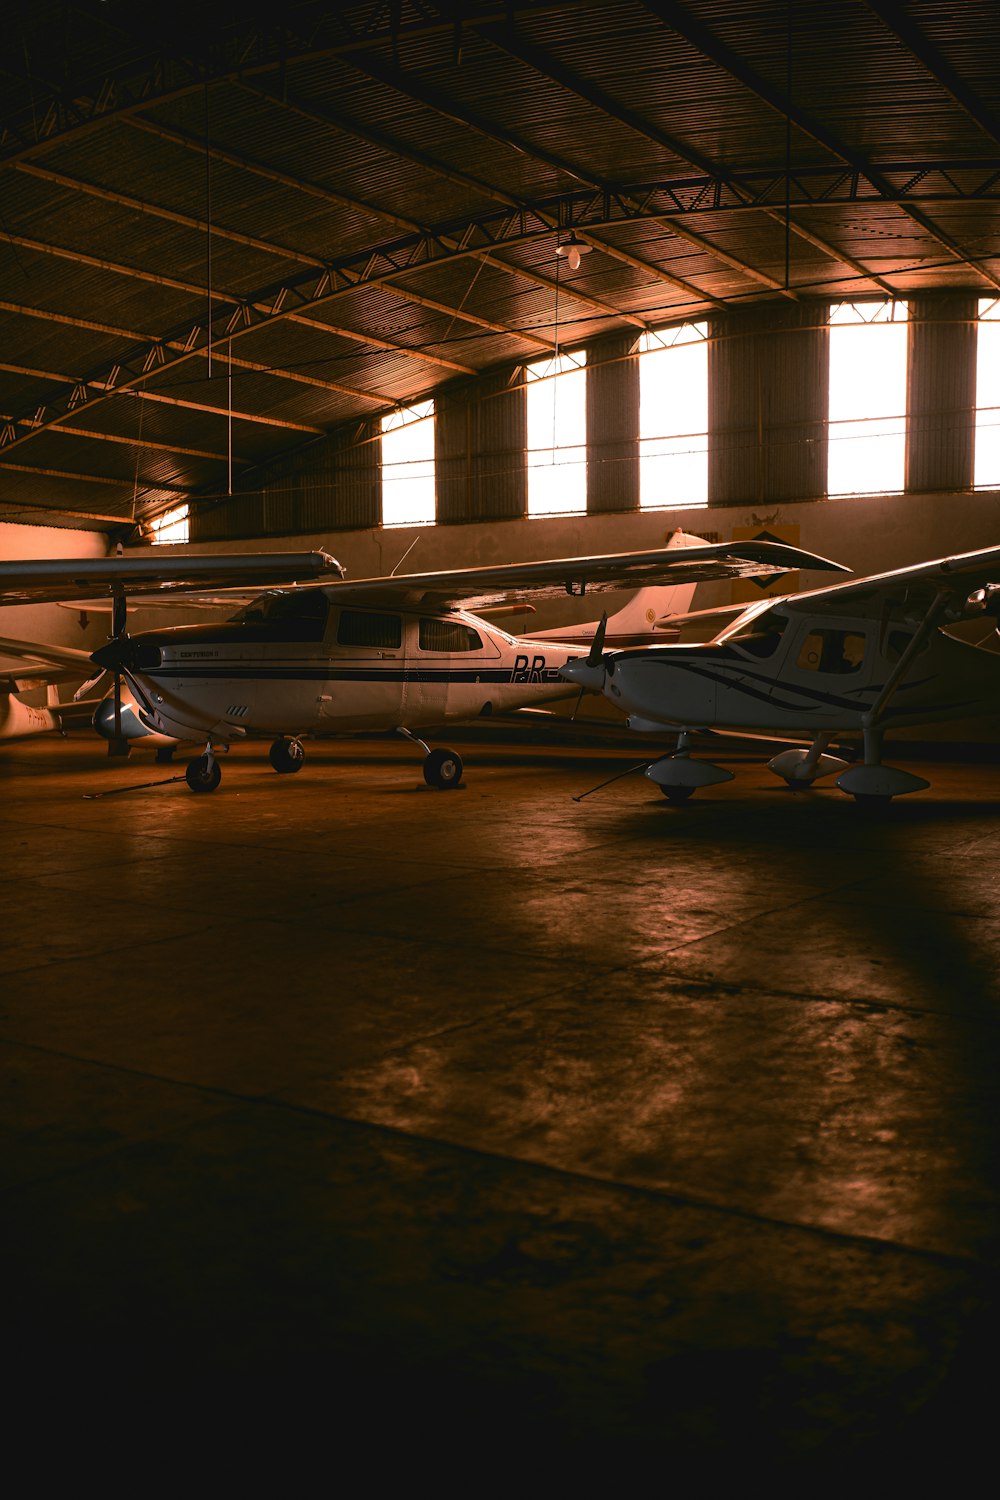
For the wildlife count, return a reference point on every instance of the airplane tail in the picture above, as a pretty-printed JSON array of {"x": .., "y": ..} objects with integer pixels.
[{"x": 632, "y": 625}]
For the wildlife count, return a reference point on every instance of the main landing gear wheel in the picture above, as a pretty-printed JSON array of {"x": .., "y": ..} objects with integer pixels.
[
  {"x": 202, "y": 777},
  {"x": 677, "y": 793},
  {"x": 443, "y": 769},
  {"x": 286, "y": 756}
]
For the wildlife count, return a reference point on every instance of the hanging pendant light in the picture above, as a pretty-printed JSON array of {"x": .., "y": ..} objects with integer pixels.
[{"x": 572, "y": 249}]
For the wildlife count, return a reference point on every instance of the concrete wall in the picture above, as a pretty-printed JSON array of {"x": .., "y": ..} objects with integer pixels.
[{"x": 49, "y": 623}]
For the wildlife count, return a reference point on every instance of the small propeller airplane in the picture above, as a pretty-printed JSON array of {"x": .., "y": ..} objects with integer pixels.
[
  {"x": 397, "y": 654},
  {"x": 21, "y": 715},
  {"x": 862, "y": 657}
]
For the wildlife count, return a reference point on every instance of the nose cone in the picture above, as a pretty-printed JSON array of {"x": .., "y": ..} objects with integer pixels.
[
  {"x": 110, "y": 655},
  {"x": 125, "y": 654},
  {"x": 586, "y": 674}
]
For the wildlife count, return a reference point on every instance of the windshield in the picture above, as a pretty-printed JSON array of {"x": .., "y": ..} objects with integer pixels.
[
  {"x": 298, "y": 614},
  {"x": 760, "y": 636}
]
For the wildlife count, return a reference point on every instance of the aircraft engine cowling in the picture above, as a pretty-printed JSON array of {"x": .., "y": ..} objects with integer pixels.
[{"x": 132, "y": 727}]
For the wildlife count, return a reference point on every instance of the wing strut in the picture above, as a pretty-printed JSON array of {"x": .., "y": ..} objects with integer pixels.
[{"x": 874, "y": 715}]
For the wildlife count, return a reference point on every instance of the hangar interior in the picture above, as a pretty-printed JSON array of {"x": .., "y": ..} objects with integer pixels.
[{"x": 617, "y": 1127}]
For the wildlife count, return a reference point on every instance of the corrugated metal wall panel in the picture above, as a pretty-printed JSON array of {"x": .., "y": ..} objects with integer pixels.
[
  {"x": 613, "y": 424},
  {"x": 480, "y": 441},
  {"x": 768, "y": 395},
  {"x": 941, "y": 392},
  {"x": 333, "y": 484}
]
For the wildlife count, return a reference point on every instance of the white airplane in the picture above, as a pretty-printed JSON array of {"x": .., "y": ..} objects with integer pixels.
[
  {"x": 44, "y": 667},
  {"x": 863, "y": 656},
  {"x": 397, "y": 654},
  {"x": 39, "y": 674}
]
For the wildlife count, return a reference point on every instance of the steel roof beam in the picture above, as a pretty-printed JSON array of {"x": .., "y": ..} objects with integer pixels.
[
  {"x": 434, "y": 99},
  {"x": 228, "y": 298},
  {"x": 329, "y": 195},
  {"x": 141, "y": 206},
  {"x": 105, "y": 479},
  {"x": 898, "y": 22},
  {"x": 68, "y": 108},
  {"x": 382, "y": 264},
  {"x": 505, "y": 39},
  {"x": 680, "y": 20},
  {"x": 321, "y": 115}
]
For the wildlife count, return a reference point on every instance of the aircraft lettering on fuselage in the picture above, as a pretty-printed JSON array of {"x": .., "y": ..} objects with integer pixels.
[{"x": 536, "y": 672}]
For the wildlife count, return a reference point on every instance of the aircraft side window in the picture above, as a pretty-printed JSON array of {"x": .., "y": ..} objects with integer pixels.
[
  {"x": 839, "y": 651},
  {"x": 362, "y": 627},
  {"x": 448, "y": 635}
]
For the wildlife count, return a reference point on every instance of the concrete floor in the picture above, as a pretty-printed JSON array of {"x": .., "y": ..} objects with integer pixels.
[{"x": 619, "y": 1127}]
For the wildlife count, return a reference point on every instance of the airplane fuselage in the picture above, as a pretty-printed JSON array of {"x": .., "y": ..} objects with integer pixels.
[
  {"x": 804, "y": 682},
  {"x": 363, "y": 670}
]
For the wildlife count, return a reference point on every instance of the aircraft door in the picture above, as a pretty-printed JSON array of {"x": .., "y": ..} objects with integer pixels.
[
  {"x": 452, "y": 670},
  {"x": 831, "y": 664},
  {"x": 366, "y": 668}
]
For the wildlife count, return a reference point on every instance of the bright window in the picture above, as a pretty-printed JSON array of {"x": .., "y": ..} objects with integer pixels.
[
  {"x": 673, "y": 417},
  {"x": 171, "y": 526},
  {"x": 408, "y": 466},
  {"x": 987, "y": 469},
  {"x": 557, "y": 435},
  {"x": 868, "y": 342}
]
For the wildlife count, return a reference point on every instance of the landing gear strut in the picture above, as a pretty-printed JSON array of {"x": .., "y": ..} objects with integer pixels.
[
  {"x": 678, "y": 776},
  {"x": 873, "y": 784},
  {"x": 442, "y": 768}
]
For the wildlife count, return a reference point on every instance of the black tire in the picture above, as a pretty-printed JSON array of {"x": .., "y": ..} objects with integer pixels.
[
  {"x": 287, "y": 756},
  {"x": 872, "y": 801},
  {"x": 443, "y": 769},
  {"x": 677, "y": 793},
  {"x": 199, "y": 777},
  {"x": 799, "y": 783}
]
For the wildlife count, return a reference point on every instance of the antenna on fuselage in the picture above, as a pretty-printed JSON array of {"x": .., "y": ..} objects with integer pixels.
[{"x": 405, "y": 554}]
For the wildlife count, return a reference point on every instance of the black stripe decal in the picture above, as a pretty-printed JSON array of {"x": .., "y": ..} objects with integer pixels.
[{"x": 349, "y": 674}]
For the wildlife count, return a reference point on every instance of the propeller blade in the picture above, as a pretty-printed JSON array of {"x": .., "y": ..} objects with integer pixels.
[
  {"x": 118, "y": 705},
  {"x": 91, "y": 683},
  {"x": 596, "y": 651},
  {"x": 119, "y": 611}
]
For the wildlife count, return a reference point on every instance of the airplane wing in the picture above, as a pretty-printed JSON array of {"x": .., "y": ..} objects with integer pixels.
[
  {"x": 73, "y": 660},
  {"x": 905, "y": 592},
  {"x": 50, "y": 580},
  {"x": 486, "y": 588}
]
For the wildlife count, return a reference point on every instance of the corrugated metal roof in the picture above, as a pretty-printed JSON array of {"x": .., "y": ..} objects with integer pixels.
[{"x": 366, "y": 200}]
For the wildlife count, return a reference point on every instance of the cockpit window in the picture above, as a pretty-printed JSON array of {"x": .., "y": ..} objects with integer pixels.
[
  {"x": 761, "y": 636},
  {"x": 839, "y": 651},
  {"x": 288, "y": 614},
  {"x": 364, "y": 627},
  {"x": 448, "y": 635}
]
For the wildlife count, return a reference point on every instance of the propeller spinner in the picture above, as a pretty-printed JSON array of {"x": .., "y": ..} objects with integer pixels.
[{"x": 589, "y": 672}]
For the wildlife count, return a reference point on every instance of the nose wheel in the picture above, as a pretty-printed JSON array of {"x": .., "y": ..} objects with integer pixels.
[{"x": 203, "y": 774}]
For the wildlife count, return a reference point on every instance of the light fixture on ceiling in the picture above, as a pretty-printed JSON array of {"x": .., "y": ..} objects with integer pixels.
[{"x": 573, "y": 249}]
